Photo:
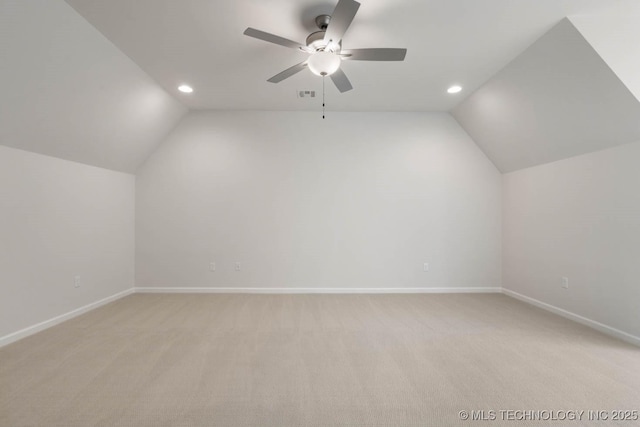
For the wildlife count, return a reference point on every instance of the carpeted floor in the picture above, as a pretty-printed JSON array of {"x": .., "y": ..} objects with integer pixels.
[{"x": 316, "y": 360}]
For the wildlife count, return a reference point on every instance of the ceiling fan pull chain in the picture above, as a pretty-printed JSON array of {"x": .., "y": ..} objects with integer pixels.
[{"x": 323, "y": 76}]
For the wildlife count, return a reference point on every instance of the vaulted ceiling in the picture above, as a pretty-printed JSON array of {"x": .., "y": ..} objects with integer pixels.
[
  {"x": 448, "y": 41},
  {"x": 67, "y": 92},
  {"x": 557, "y": 99},
  {"x": 96, "y": 81}
]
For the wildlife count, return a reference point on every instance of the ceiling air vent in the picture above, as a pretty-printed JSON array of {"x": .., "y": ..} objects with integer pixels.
[{"x": 306, "y": 94}]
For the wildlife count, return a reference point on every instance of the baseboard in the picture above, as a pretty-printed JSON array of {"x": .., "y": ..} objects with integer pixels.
[
  {"x": 232, "y": 290},
  {"x": 575, "y": 317},
  {"x": 15, "y": 336},
  {"x": 23, "y": 333}
]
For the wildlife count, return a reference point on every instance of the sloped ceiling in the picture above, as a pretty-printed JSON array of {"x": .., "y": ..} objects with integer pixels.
[
  {"x": 68, "y": 92},
  {"x": 449, "y": 41},
  {"x": 556, "y": 100},
  {"x": 615, "y": 35}
]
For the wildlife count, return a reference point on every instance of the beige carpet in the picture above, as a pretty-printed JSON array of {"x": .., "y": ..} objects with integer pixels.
[{"x": 315, "y": 360}]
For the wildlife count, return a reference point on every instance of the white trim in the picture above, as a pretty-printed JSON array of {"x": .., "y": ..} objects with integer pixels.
[
  {"x": 23, "y": 333},
  {"x": 15, "y": 336},
  {"x": 231, "y": 290},
  {"x": 575, "y": 317}
]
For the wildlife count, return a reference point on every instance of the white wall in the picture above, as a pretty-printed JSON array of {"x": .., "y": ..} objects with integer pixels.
[
  {"x": 67, "y": 91},
  {"x": 59, "y": 219},
  {"x": 578, "y": 218},
  {"x": 357, "y": 200}
]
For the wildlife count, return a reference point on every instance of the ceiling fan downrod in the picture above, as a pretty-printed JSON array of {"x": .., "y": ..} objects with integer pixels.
[{"x": 322, "y": 21}]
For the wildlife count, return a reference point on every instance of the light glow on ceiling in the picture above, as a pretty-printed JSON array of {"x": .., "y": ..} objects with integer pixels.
[
  {"x": 454, "y": 89},
  {"x": 185, "y": 89}
]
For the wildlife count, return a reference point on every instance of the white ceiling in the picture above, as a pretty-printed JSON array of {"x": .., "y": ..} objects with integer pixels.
[
  {"x": 556, "y": 100},
  {"x": 448, "y": 41},
  {"x": 67, "y": 92},
  {"x": 616, "y": 37},
  {"x": 70, "y": 92}
]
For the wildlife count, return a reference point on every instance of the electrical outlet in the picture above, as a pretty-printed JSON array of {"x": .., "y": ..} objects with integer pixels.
[
  {"x": 212, "y": 266},
  {"x": 425, "y": 266},
  {"x": 76, "y": 282},
  {"x": 565, "y": 283},
  {"x": 237, "y": 266}
]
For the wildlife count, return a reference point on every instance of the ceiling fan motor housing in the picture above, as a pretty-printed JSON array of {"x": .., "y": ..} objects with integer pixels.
[{"x": 316, "y": 41}]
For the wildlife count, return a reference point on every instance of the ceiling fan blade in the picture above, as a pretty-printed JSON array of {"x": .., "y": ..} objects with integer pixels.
[
  {"x": 381, "y": 54},
  {"x": 272, "y": 38},
  {"x": 341, "y": 18},
  {"x": 341, "y": 81},
  {"x": 288, "y": 72}
]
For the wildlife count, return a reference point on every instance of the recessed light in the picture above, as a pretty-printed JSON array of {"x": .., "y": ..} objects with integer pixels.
[
  {"x": 454, "y": 89},
  {"x": 185, "y": 88}
]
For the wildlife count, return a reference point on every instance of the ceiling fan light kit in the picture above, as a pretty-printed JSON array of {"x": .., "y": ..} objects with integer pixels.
[
  {"x": 323, "y": 63},
  {"x": 325, "y": 47}
]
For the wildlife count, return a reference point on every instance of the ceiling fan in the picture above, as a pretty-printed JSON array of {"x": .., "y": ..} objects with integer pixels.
[{"x": 325, "y": 47}]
